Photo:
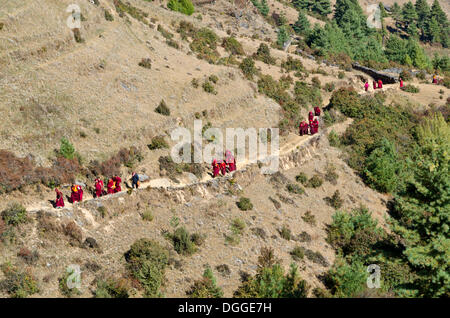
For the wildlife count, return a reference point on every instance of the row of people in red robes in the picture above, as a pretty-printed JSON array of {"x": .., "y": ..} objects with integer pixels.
[
  {"x": 224, "y": 166},
  {"x": 76, "y": 195},
  {"x": 313, "y": 123},
  {"x": 380, "y": 85}
]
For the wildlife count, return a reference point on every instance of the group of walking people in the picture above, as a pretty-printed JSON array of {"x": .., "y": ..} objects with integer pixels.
[
  {"x": 222, "y": 166},
  {"x": 113, "y": 186},
  {"x": 376, "y": 85},
  {"x": 313, "y": 123}
]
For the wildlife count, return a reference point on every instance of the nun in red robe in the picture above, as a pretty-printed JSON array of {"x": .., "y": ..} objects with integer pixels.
[
  {"x": 118, "y": 187},
  {"x": 316, "y": 126},
  {"x": 98, "y": 188},
  {"x": 59, "y": 202},
  {"x": 223, "y": 167},
  {"x": 216, "y": 168},
  {"x": 311, "y": 116},
  {"x": 401, "y": 83},
  {"x": 230, "y": 160},
  {"x": 374, "y": 85},
  {"x": 380, "y": 84},
  {"x": 80, "y": 193},
  {"x": 111, "y": 186},
  {"x": 366, "y": 86},
  {"x": 301, "y": 128},
  {"x": 317, "y": 111},
  {"x": 75, "y": 195}
]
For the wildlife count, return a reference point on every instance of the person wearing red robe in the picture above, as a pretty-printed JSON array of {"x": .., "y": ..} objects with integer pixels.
[
  {"x": 59, "y": 202},
  {"x": 230, "y": 161},
  {"x": 216, "y": 168},
  {"x": 366, "y": 86},
  {"x": 111, "y": 186},
  {"x": 117, "y": 180},
  {"x": 374, "y": 85},
  {"x": 75, "y": 195},
  {"x": 311, "y": 127},
  {"x": 223, "y": 167},
  {"x": 98, "y": 188},
  {"x": 311, "y": 116},
  {"x": 380, "y": 83},
  {"x": 316, "y": 126},
  {"x": 301, "y": 128},
  {"x": 317, "y": 111},
  {"x": 434, "y": 79},
  {"x": 401, "y": 83},
  {"x": 80, "y": 193}
]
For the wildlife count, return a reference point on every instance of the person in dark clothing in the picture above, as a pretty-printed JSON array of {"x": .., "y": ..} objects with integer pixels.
[{"x": 135, "y": 180}]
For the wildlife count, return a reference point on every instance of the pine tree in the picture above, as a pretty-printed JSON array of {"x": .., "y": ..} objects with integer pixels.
[
  {"x": 438, "y": 13},
  {"x": 423, "y": 210},
  {"x": 264, "y": 8},
  {"x": 302, "y": 25},
  {"x": 423, "y": 11},
  {"x": 303, "y": 4},
  {"x": 283, "y": 36},
  {"x": 396, "y": 12},
  {"x": 322, "y": 7},
  {"x": 432, "y": 30},
  {"x": 409, "y": 14}
]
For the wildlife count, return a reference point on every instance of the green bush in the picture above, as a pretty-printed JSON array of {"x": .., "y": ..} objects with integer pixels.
[
  {"x": 158, "y": 142},
  {"x": 315, "y": 182},
  {"x": 182, "y": 242},
  {"x": 213, "y": 78},
  {"x": 244, "y": 204},
  {"x": 18, "y": 284},
  {"x": 295, "y": 188},
  {"x": 335, "y": 200},
  {"x": 204, "y": 43},
  {"x": 183, "y": 6},
  {"x": 147, "y": 215},
  {"x": 316, "y": 257},
  {"x": 112, "y": 288},
  {"x": 285, "y": 233},
  {"x": 411, "y": 89},
  {"x": 307, "y": 95},
  {"x": 163, "y": 109},
  {"x": 347, "y": 101},
  {"x": 66, "y": 149},
  {"x": 298, "y": 253},
  {"x": 166, "y": 34},
  {"x": 146, "y": 63},
  {"x": 14, "y": 214},
  {"x": 205, "y": 287},
  {"x": 263, "y": 54},
  {"x": 309, "y": 218},
  {"x": 301, "y": 177},
  {"x": 233, "y": 46},
  {"x": 209, "y": 88},
  {"x": 108, "y": 16},
  {"x": 333, "y": 139},
  {"x": 146, "y": 262},
  {"x": 292, "y": 64},
  {"x": 346, "y": 280}
]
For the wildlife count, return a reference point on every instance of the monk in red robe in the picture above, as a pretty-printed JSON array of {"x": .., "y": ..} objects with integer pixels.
[
  {"x": 380, "y": 84},
  {"x": 434, "y": 79},
  {"x": 117, "y": 180},
  {"x": 311, "y": 127},
  {"x": 59, "y": 202},
  {"x": 366, "y": 86},
  {"x": 216, "y": 168},
  {"x": 111, "y": 186},
  {"x": 74, "y": 196},
  {"x": 230, "y": 160},
  {"x": 80, "y": 193},
  {"x": 301, "y": 128},
  {"x": 311, "y": 116},
  {"x": 374, "y": 85},
  {"x": 317, "y": 111},
  {"x": 401, "y": 83},
  {"x": 98, "y": 188},
  {"x": 223, "y": 167},
  {"x": 316, "y": 126}
]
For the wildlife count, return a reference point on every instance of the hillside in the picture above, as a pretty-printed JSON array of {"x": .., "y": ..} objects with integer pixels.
[{"x": 98, "y": 87}]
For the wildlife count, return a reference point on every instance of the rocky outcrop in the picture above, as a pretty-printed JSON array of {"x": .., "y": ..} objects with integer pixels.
[{"x": 376, "y": 75}]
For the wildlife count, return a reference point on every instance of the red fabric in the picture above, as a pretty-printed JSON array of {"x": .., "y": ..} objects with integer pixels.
[
  {"x": 110, "y": 186},
  {"x": 223, "y": 168},
  {"x": 316, "y": 126},
  {"x": 374, "y": 85},
  {"x": 80, "y": 193},
  {"x": 401, "y": 83},
  {"x": 366, "y": 86},
  {"x": 232, "y": 165},
  {"x": 118, "y": 187},
  {"x": 98, "y": 188},
  {"x": 380, "y": 84},
  {"x": 311, "y": 116},
  {"x": 216, "y": 169},
  {"x": 59, "y": 202},
  {"x": 317, "y": 111}
]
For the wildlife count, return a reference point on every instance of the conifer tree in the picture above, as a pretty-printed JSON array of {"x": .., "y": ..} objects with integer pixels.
[{"x": 302, "y": 25}]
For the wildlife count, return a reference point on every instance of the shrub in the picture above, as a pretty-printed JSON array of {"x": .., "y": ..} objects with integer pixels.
[
  {"x": 285, "y": 233},
  {"x": 315, "y": 182},
  {"x": 346, "y": 280},
  {"x": 309, "y": 218},
  {"x": 298, "y": 253},
  {"x": 146, "y": 262},
  {"x": 158, "y": 142},
  {"x": 316, "y": 257},
  {"x": 237, "y": 226},
  {"x": 173, "y": 44},
  {"x": 233, "y": 46},
  {"x": 136, "y": 13},
  {"x": 244, "y": 204},
  {"x": 146, "y": 63},
  {"x": 306, "y": 95},
  {"x": 294, "y": 188},
  {"x": 204, "y": 43},
  {"x": 304, "y": 237},
  {"x": 263, "y": 54},
  {"x": 182, "y": 242},
  {"x": 292, "y": 64},
  {"x": 194, "y": 82},
  {"x": 183, "y": 6},
  {"x": 112, "y": 288},
  {"x": 335, "y": 200},
  {"x": 205, "y": 287},
  {"x": 209, "y": 88},
  {"x": 406, "y": 75},
  {"x": 411, "y": 89},
  {"x": 333, "y": 139},
  {"x": 341, "y": 75},
  {"x": 14, "y": 214},
  {"x": 147, "y": 215},
  {"x": 64, "y": 283},
  {"x": 329, "y": 87},
  {"x": 331, "y": 175},
  {"x": 347, "y": 101},
  {"x": 163, "y": 109},
  {"x": 77, "y": 35},
  {"x": 166, "y": 34},
  {"x": 316, "y": 82},
  {"x": 108, "y": 16},
  {"x": 224, "y": 270},
  {"x": 18, "y": 284},
  {"x": 66, "y": 149},
  {"x": 213, "y": 78},
  {"x": 301, "y": 177},
  {"x": 29, "y": 257}
]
